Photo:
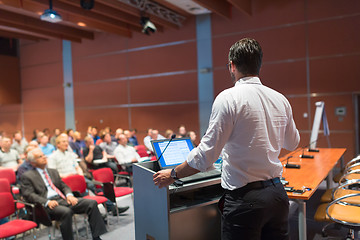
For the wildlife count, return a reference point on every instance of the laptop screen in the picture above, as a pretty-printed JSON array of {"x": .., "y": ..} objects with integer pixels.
[{"x": 175, "y": 154}]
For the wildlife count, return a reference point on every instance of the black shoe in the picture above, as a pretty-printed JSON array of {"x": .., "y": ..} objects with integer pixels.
[
  {"x": 96, "y": 238},
  {"x": 120, "y": 209}
]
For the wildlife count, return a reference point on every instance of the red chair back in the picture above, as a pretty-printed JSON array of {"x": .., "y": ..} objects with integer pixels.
[
  {"x": 76, "y": 183},
  {"x": 103, "y": 175},
  {"x": 141, "y": 150},
  {"x": 7, "y": 205},
  {"x": 9, "y": 174},
  {"x": 4, "y": 185}
]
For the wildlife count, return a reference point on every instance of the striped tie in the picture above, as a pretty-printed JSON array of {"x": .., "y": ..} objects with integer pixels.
[{"x": 53, "y": 186}]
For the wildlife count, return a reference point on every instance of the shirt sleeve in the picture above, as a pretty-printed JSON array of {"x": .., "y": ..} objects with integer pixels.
[
  {"x": 292, "y": 136},
  {"x": 220, "y": 128}
]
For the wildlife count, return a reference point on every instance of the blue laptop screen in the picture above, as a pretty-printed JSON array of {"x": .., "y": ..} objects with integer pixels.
[{"x": 175, "y": 154}]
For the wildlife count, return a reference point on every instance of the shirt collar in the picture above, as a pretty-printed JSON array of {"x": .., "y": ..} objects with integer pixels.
[{"x": 248, "y": 80}]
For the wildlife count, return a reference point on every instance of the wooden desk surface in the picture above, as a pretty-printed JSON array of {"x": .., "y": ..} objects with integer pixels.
[{"x": 312, "y": 171}]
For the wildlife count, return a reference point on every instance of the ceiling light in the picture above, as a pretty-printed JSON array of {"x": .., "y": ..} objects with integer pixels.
[
  {"x": 50, "y": 15},
  {"x": 81, "y": 24},
  {"x": 147, "y": 25}
]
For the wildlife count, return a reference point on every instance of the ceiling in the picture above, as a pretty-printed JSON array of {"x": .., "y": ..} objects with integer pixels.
[{"x": 21, "y": 18}]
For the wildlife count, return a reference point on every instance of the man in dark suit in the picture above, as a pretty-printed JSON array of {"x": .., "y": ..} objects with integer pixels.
[{"x": 44, "y": 186}]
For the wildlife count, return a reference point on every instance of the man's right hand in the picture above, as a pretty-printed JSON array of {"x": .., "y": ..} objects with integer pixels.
[
  {"x": 91, "y": 147},
  {"x": 52, "y": 204}
]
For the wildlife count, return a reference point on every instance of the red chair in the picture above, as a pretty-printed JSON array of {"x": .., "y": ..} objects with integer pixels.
[
  {"x": 16, "y": 226},
  {"x": 104, "y": 179},
  {"x": 9, "y": 174},
  {"x": 5, "y": 187},
  {"x": 77, "y": 184},
  {"x": 142, "y": 151}
]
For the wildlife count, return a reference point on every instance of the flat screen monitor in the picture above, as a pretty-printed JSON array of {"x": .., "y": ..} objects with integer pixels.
[{"x": 175, "y": 154}]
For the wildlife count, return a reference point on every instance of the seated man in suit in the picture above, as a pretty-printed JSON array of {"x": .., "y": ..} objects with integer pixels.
[{"x": 44, "y": 185}]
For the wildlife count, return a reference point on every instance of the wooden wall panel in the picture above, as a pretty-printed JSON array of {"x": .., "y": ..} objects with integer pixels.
[
  {"x": 336, "y": 36},
  {"x": 43, "y": 99},
  {"x": 100, "y": 68},
  {"x": 40, "y": 53},
  {"x": 182, "y": 87},
  {"x": 10, "y": 90},
  {"x": 43, "y": 119},
  {"x": 101, "y": 118},
  {"x": 100, "y": 94},
  {"x": 338, "y": 74},
  {"x": 165, "y": 117},
  {"x": 42, "y": 76},
  {"x": 321, "y": 9}
]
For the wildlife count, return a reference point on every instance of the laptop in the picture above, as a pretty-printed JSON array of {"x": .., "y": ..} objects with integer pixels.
[{"x": 176, "y": 153}]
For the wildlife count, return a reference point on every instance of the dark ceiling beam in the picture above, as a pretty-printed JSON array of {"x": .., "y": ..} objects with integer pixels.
[
  {"x": 174, "y": 8},
  {"x": 11, "y": 34},
  {"x": 70, "y": 9},
  {"x": 242, "y": 5},
  {"x": 221, "y": 7},
  {"x": 38, "y": 31},
  {"x": 53, "y": 28}
]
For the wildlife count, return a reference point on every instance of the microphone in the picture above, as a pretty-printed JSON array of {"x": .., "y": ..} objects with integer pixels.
[
  {"x": 289, "y": 165},
  {"x": 172, "y": 137}
]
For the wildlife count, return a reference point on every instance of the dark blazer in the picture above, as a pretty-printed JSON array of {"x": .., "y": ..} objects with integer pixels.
[{"x": 33, "y": 188}]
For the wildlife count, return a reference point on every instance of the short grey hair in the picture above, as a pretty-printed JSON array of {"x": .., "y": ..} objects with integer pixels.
[{"x": 30, "y": 155}]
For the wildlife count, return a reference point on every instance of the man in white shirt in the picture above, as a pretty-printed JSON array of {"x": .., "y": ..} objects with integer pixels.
[
  {"x": 249, "y": 125},
  {"x": 125, "y": 154},
  {"x": 9, "y": 158},
  {"x": 153, "y": 135}
]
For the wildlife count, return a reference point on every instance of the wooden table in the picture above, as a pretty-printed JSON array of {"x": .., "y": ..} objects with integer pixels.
[{"x": 310, "y": 175}]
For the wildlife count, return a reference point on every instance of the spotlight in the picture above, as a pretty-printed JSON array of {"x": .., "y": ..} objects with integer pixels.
[
  {"x": 50, "y": 15},
  {"x": 147, "y": 25},
  {"x": 87, "y": 4}
]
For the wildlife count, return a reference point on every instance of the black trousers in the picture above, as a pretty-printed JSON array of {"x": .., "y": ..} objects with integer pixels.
[
  {"x": 64, "y": 213},
  {"x": 255, "y": 213}
]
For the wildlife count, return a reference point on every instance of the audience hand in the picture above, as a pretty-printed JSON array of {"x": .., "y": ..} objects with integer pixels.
[
  {"x": 71, "y": 200},
  {"x": 52, "y": 204}
]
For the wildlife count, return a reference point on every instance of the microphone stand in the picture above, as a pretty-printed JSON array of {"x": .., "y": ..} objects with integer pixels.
[
  {"x": 172, "y": 137},
  {"x": 289, "y": 165}
]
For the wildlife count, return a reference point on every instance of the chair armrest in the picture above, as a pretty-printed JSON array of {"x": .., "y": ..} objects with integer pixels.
[
  {"x": 344, "y": 185},
  {"x": 37, "y": 213},
  {"x": 351, "y": 162},
  {"x": 343, "y": 177},
  {"x": 340, "y": 201},
  {"x": 97, "y": 182}
]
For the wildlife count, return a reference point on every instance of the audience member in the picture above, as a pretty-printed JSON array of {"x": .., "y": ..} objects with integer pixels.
[
  {"x": 168, "y": 133},
  {"x": 192, "y": 136},
  {"x": 39, "y": 136},
  {"x": 45, "y": 146},
  {"x": 77, "y": 145},
  {"x": 19, "y": 144},
  {"x": 26, "y": 165},
  {"x": 46, "y": 131},
  {"x": 44, "y": 185},
  {"x": 70, "y": 133},
  {"x": 94, "y": 134},
  {"x": 57, "y": 132},
  {"x": 35, "y": 132},
  {"x": 154, "y": 135},
  {"x": 93, "y": 154},
  {"x": 182, "y": 131},
  {"x": 34, "y": 143},
  {"x": 147, "y": 138},
  {"x": 9, "y": 158},
  {"x": 107, "y": 145},
  {"x": 125, "y": 154},
  {"x": 62, "y": 160},
  {"x": 101, "y": 134},
  {"x": 117, "y": 133},
  {"x": 133, "y": 139}
]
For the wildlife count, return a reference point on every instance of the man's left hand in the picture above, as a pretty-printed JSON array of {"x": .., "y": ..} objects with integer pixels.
[
  {"x": 71, "y": 200},
  {"x": 163, "y": 178}
]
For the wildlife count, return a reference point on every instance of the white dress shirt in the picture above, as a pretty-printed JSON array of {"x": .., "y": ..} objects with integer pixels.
[
  {"x": 125, "y": 154},
  {"x": 249, "y": 123},
  {"x": 64, "y": 162}
]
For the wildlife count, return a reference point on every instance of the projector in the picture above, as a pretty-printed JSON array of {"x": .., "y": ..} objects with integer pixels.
[{"x": 50, "y": 16}]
